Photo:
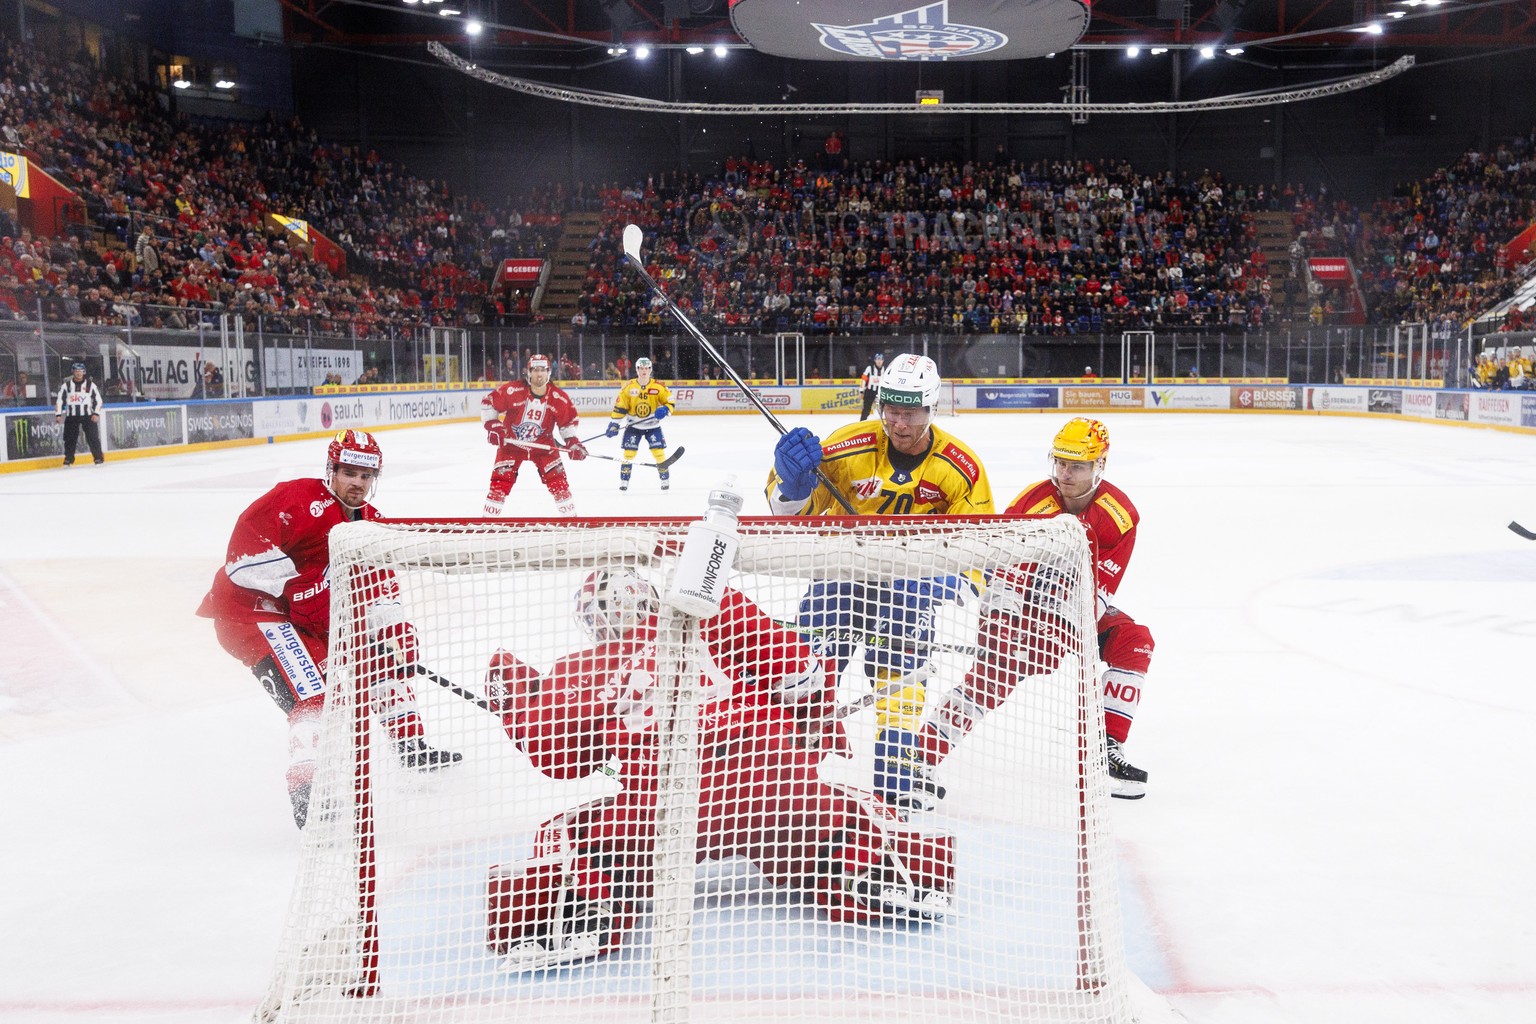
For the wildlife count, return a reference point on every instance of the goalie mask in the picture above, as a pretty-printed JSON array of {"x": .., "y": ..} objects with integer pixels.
[
  {"x": 354, "y": 448},
  {"x": 611, "y": 602}
]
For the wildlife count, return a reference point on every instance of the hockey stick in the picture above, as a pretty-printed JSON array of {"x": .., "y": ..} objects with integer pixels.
[
  {"x": 455, "y": 689},
  {"x": 665, "y": 463},
  {"x": 875, "y": 640},
  {"x": 874, "y": 696},
  {"x": 1522, "y": 531},
  {"x": 632, "y": 238}
]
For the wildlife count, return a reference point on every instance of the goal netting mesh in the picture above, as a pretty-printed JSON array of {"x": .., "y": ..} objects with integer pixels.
[{"x": 871, "y": 788}]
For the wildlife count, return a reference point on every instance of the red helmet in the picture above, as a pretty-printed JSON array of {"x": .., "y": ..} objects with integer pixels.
[
  {"x": 354, "y": 448},
  {"x": 538, "y": 361}
]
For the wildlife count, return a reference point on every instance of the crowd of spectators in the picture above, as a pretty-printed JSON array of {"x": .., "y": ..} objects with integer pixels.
[
  {"x": 179, "y": 233},
  {"x": 1056, "y": 248},
  {"x": 184, "y": 204}
]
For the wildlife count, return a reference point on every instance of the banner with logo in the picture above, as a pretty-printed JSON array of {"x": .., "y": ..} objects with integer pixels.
[
  {"x": 220, "y": 421},
  {"x": 1103, "y": 398},
  {"x": 33, "y": 435},
  {"x": 163, "y": 372},
  {"x": 518, "y": 272},
  {"x": 848, "y": 399},
  {"x": 1419, "y": 403},
  {"x": 1189, "y": 396},
  {"x": 145, "y": 426},
  {"x": 1268, "y": 397},
  {"x": 13, "y": 171},
  {"x": 1016, "y": 397},
  {"x": 285, "y": 369},
  {"x": 1498, "y": 407},
  {"x": 1452, "y": 405},
  {"x": 1387, "y": 400},
  {"x": 1332, "y": 270}
]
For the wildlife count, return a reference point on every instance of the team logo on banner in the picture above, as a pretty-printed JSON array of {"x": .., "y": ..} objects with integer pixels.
[{"x": 923, "y": 33}]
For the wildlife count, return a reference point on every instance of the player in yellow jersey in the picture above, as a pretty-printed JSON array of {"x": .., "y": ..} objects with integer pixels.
[
  {"x": 641, "y": 406},
  {"x": 898, "y": 464}
]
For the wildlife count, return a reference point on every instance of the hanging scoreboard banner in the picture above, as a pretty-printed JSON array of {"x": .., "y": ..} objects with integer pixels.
[{"x": 901, "y": 30}]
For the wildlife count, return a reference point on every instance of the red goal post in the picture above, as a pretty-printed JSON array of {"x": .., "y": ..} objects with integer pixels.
[{"x": 683, "y": 823}]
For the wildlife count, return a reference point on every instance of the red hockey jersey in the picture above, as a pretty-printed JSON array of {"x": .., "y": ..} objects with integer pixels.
[
  {"x": 277, "y": 557},
  {"x": 1111, "y": 520},
  {"x": 530, "y": 417}
]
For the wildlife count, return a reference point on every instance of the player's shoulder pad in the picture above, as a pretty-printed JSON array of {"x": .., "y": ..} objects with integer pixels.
[
  {"x": 1038, "y": 499},
  {"x": 1119, "y": 509},
  {"x": 962, "y": 458},
  {"x": 850, "y": 440}
]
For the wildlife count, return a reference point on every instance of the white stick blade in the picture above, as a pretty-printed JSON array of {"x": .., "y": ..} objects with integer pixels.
[{"x": 632, "y": 236}]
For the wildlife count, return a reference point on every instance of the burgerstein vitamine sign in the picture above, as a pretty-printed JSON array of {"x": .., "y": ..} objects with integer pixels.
[{"x": 904, "y": 31}]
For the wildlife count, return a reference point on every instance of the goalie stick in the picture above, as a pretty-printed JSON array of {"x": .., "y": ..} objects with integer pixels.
[
  {"x": 1522, "y": 531},
  {"x": 632, "y": 238},
  {"x": 665, "y": 463}
]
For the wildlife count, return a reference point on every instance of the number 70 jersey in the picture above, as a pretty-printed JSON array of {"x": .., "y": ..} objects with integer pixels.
[{"x": 950, "y": 479}]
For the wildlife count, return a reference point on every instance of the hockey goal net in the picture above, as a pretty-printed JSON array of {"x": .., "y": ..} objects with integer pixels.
[{"x": 665, "y": 818}]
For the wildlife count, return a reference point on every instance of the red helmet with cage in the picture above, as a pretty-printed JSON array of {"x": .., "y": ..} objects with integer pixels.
[{"x": 354, "y": 448}]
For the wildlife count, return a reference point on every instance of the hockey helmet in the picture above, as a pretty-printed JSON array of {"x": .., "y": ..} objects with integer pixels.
[
  {"x": 538, "y": 361},
  {"x": 354, "y": 448},
  {"x": 78, "y": 368},
  {"x": 643, "y": 363},
  {"x": 610, "y": 603},
  {"x": 910, "y": 380},
  {"x": 1081, "y": 440}
]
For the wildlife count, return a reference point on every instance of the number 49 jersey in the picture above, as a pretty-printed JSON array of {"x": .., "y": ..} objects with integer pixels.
[{"x": 949, "y": 480}]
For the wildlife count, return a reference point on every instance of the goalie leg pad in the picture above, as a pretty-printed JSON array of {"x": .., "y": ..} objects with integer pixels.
[
  {"x": 552, "y": 911},
  {"x": 877, "y": 869}
]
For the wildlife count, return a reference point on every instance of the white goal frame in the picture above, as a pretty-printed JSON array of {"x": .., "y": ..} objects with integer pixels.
[{"x": 338, "y": 971}]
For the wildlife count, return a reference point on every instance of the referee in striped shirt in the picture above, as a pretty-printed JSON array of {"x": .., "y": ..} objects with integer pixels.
[{"x": 79, "y": 405}]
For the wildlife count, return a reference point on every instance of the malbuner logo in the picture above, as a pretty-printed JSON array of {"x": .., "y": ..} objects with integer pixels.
[{"x": 922, "y": 33}]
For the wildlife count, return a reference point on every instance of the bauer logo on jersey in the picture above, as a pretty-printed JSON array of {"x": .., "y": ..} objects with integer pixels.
[{"x": 922, "y": 33}]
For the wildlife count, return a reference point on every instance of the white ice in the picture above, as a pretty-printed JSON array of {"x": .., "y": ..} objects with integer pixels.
[{"x": 1336, "y": 722}]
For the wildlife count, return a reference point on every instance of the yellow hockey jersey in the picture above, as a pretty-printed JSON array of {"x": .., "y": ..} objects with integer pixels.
[
  {"x": 949, "y": 480},
  {"x": 639, "y": 402}
]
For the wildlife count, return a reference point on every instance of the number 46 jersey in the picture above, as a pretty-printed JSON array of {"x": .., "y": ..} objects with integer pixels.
[{"x": 948, "y": 480}]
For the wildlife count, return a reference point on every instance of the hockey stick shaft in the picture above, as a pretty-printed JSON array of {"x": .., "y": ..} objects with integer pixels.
[
  {"x": 455, "y": 689},
  {"x": 665, "y": 463},
  {"x": 877, "y": 640},
  {"x": 1522, "y": 531},
  {"x": 632, "y": 236}
]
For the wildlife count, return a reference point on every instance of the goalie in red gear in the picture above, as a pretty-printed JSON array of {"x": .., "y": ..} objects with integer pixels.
[
  {"x": 271, "y": 606},
  {"x": 766, "y": 722},
  {"x": 521, "y": 419}
]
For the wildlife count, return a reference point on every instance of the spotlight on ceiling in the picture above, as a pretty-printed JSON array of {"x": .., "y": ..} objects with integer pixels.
[
  {"x": 721, "y": 51},
  {"x": 642, "y": 53},
  {"x": 1207, "y": 52}
]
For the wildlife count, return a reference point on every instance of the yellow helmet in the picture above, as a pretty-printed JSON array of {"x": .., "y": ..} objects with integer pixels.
[{"x": 1081, "y": 440}]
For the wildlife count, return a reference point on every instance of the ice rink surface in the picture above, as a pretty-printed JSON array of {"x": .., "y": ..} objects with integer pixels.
[{"x": 1336, "y": 723}]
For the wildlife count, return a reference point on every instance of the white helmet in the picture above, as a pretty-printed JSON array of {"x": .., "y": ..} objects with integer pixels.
[
  {"x": 610, "y": 603},
  {"x": 910, "y": 380}
]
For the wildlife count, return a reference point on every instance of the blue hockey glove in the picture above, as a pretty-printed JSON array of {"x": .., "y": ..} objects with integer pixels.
[
  {"x": 661, "y": 413},
  {"x": 613, "y": 429},
  {"x": 795, "y": 459}
]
